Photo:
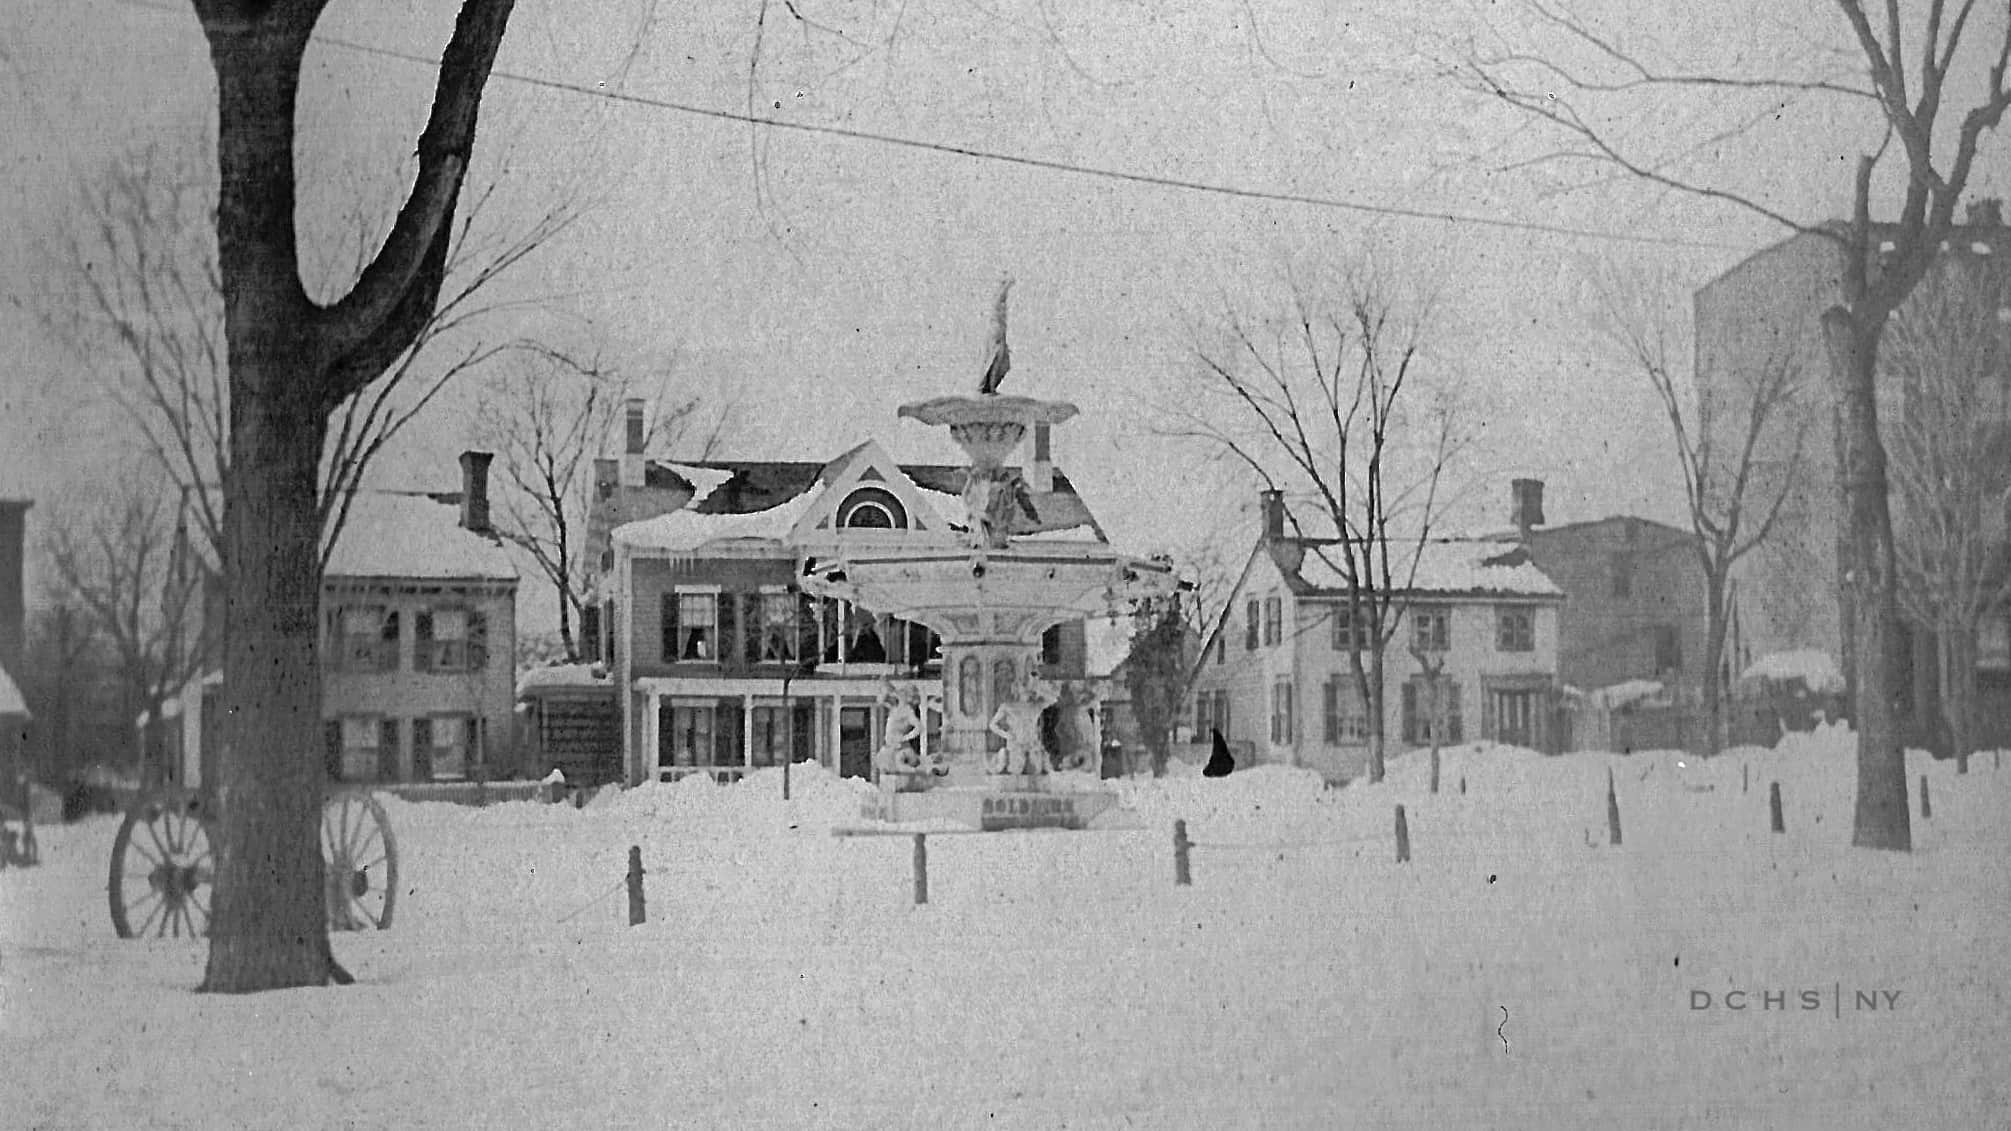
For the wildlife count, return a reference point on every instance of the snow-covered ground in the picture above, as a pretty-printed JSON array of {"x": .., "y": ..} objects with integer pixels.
[{"x": 1520, "y": 972}]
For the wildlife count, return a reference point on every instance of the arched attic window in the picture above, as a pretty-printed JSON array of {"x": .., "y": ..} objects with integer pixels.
[{"x": 872, "y": 508}]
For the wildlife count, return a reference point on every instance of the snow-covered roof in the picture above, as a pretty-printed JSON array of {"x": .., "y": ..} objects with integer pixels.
[
  {"x": 1460, "y": 565},
  {"x": 411, "y": 534},
  {"x": 685, "y": 530},
  {"x": 1812, "y": 666},
  {"x": 950, "y": 508},
  {"x": 11, "y": 702},
  {"x": 704, "y": 480},
  {"x": 1107, "y": 643},
  {"x": 563, "y": 675},
  {"x": 1619, "y": 695}
]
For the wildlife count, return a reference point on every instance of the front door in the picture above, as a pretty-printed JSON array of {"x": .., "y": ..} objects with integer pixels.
[{"x": 855, "y": 742}]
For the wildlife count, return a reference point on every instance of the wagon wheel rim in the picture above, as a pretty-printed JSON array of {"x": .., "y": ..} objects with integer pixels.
[
  {"x": 362, "y": 862},
  {"x": 163, "y": 869}
]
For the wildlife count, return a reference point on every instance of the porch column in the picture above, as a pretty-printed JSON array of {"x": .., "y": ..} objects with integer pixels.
[
  {"x": 746, "y": 731},
  {"x": 651, "y": 740}
]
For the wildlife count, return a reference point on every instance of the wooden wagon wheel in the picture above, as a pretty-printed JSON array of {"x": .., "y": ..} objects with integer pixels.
[
  {"x": 163, "y": 867},
  {"x": 362, "y": 860}
]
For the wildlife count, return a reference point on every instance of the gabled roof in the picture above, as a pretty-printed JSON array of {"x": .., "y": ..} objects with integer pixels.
[
  {"x": 415, "y": 534},
  {"x": 766, "y": 499}
]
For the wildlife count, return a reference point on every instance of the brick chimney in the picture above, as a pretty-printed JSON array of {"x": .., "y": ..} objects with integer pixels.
[
  {"x": 13, "y": 589},
  {"x": 475, "y": 491},
  {"x": 1986, "y": 212},
  {"x": 1271, "y": 506},
  {"x": 1526, "y": 505},
  {"x": 1040, "y": 477},
  {"x": 636, "y": 436}
]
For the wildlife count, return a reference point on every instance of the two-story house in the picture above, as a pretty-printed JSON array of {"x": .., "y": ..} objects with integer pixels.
[
  {"x": 418, "y": 633},
  {"x": 723, "y": 664},
  {"x": 1274, "y": 674}
]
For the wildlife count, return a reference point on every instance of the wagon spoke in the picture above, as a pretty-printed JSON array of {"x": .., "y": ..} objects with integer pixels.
[
  {"x": 154, "y": 834},
  {"x": 136, "y": 847},
  {"x": 159, "y": 906}
]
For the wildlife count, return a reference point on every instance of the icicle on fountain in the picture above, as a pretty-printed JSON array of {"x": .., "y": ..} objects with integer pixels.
[{"x": 989, "y": 599}]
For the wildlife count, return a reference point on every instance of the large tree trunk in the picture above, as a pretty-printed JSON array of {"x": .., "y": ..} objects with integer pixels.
[
  {"x": 1958, "y": 689},
  {"x": 269, "y": 925},
  {"x": 1714, "y": 660},
  {"x": 1868, "y": 598},
  {"x": 1372, "y": 683}
]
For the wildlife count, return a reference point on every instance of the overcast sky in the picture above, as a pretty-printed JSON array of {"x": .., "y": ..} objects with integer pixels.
[{"x": 820, "y": 280}]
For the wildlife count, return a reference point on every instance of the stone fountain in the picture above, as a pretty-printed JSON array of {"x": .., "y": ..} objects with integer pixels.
[{"x": 989, "y": 598}]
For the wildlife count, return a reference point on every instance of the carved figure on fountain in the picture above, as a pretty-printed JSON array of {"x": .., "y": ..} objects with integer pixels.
[{"x": 1018, "y": 722}]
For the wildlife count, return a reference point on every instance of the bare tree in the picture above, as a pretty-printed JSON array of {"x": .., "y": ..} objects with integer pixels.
[
  {"x": 547, "y": 416},
  {"x": 1949, "y": 354},
  {"x": 293, "y": 361},
  {"x": 1325, "y": 400},
  {"x": 141, "y": 266},
  {"x": 1905, "y": 65},
  {"x": 1734, "y": 496},
  {"x": 128, "y": 564}
]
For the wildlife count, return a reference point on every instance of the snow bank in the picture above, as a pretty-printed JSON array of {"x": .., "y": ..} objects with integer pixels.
[{"x": 1814, "y": 668}]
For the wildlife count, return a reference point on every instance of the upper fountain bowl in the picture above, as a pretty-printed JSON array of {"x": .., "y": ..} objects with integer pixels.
[{"x": 988, "y": 426}]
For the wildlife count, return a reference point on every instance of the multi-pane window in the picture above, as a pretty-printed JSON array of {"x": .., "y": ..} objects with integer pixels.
[
  {"x": 1346, "y": 718},
  {"x": 449, "y": 640},
  {"x": 1222, "y": 645},
  {"x": 1274, "y": 618},
  {"x": 1515, "y": 718},
  {"x": 772, "y": 741},
  {"x": 1211, "y": 713},
  {"x": 1351, "y": 633},
  {"x": 1431, "y": 629},
  {"x": 1050, "y": 646},
  {"x": 363, "y": 638},
  {"x": 1514, "y": 629},
  {"x": 1253, "y": 624},
  {"x": 1281, "y": 712},
  {"x": 686, "y": 734},
  {"x": 363, "y": 748},
  {"x": 691, "y": 626},
  {"x": 1423, "y": 714},
  {"x": 444, "y": 747},
  {"x": 1993, "y": 643},
  {"x": 778, "y": 628}
]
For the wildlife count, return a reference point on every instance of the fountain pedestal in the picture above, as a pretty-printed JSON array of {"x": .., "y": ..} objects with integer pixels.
[{"x": 989, "y": 597}]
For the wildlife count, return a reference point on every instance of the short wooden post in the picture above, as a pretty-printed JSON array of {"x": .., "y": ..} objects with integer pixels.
[
  {"x": 1774, "y": 804},
  {"x": 1745, "y": 777},
  {"x": 1403, "y": 837},
  {"x": 1183, "y": 874},
  {"x": 1434, "y": 767},
  {"x": 635, "y": 901},
  {"x": 1612, "y": 810},
  {"x": 1926, "y": 804},
  {"x": 921, "y": 869},
  {"x": 785, "y": 777},
  {"x": 1462, "y": 785}
]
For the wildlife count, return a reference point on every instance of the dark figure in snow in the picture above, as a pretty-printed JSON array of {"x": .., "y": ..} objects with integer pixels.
[{"x": 1219, "y": 761}]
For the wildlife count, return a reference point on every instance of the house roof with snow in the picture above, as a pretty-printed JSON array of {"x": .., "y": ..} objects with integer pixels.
[
  {"x": 414, "y": 534},
  {"x": 1445, "y": 567},
  {"x": 11, "y": 700},
  {"x": 769, "y": 501}
]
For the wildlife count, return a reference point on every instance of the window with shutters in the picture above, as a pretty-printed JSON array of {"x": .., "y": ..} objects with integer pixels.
[
  {"x": 1253, "y": 624},
  {"x": 364, "y": 746},
  {"x": 779, "y": 634},
  {"x": 1431, "y": 629},
  {"x": 696, "y": 628},
  {"x": 1350, "y": 634},
  {"x": 363, "y": 638},
  {"x": 1346, "y": 719},
  {"x": 1418, "y": 710},
  {"x": 1274, "y": 620},
  {"x": 1668, "y": 648},
  {"x": 774, "y": 737},
  {"x": 444, "y": 747},
  {"x": 450, "y": 639},
  {"x": 1281, "y": 712},
  {"x": 1514, "y": 629}
]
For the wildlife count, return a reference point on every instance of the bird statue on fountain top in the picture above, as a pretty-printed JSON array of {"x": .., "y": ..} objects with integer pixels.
[{"x": 999, "y": 358}]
